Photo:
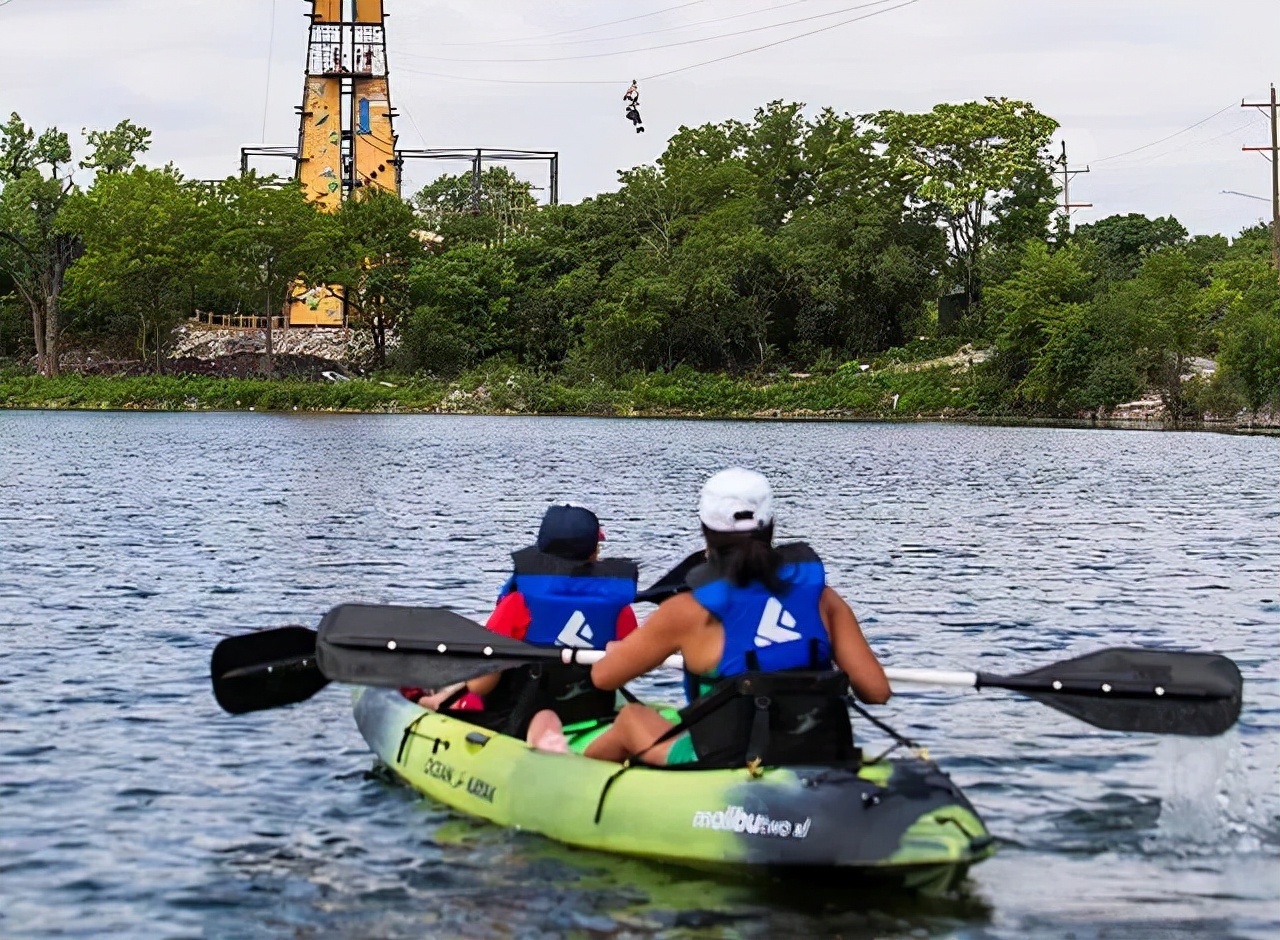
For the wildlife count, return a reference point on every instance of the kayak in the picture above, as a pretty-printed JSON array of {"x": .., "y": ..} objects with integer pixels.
[{"x": 900, "y": 821}]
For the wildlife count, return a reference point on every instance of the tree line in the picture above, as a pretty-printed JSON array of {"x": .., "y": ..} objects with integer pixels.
[{"x": 788, "y": 242}]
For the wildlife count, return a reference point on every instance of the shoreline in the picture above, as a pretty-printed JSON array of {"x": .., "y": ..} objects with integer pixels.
[
  {"x": 1219, "y": 426},
  {"x": 937, "y": 395}
]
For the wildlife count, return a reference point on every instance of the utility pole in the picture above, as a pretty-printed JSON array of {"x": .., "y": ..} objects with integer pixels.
[
  {"x": 1275, "y": 173},
  {"x": 1067, "y": 176}
]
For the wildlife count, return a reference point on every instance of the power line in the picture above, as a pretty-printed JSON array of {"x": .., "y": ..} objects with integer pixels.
[
  {"x": 569, "y": 32},
  {"x": 1191, "y": 143},
  {"x": 671, "y": 45},
  {"x": 1274, "y": 108},
  {"x": 1116, "y": 156}
]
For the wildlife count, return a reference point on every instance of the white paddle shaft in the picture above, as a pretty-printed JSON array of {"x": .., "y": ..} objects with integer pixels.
[{"x": 904, "y": 676}]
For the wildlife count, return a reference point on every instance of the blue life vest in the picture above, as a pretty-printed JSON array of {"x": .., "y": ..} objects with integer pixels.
[
  {"x": 766, "y": 632},
  {"x": 572, "y": 603}
]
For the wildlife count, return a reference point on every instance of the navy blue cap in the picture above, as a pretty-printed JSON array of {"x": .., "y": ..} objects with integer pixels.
[{"x": 571, "y": 532}]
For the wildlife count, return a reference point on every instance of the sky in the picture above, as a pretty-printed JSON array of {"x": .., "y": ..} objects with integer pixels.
[{"x": 1147, "y": 92}]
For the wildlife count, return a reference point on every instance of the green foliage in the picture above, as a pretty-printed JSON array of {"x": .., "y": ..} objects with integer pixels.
[
  {"x": 750, "y": 252},
  {"x": 148, "y": 239},
  {"x": 35, "y": 246},
  {"x": 1122, "y": 241},
  {"x": 982, "y": 167},
  {"x": 1250, "y": 360},
  {"x": 269, "y": 238},
  {"x": 116, "y": 150},
  {"x": 378, "y": 243},
  {"x": 455, "y": 208}
]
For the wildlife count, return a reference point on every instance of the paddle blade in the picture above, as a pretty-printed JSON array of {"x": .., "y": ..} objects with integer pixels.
[
  {"x": 1156, "y": 691},
  {"x": 428, "y": 647},
  {"x": 266, "y": 669},
  {"x": 673, "y": 582}
]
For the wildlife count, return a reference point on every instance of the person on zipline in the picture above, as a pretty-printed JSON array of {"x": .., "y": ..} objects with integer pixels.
[
  {"x": 632, "y": 98},
  {"x": 560, "y": 594},
  {"x": 752, "y": 608}
]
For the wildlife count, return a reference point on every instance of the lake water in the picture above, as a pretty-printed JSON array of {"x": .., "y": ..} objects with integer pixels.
[{"x": 130, "y": 806}]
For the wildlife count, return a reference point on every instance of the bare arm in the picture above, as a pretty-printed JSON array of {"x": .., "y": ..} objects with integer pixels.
[
  {"x": 851, "y": 651},
  {"x": 481, "y": 685},
  {"x": 644, "y": 649}
]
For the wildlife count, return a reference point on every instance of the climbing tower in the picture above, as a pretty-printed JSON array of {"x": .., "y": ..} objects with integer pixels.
[{"x": 346, "y": 140}]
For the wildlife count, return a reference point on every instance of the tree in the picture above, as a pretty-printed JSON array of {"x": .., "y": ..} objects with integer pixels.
[
  {"x": 1124, "y": 240},
  {"x": 147, "y": 238},
  {"x": 456, "y": 209},
  {"x": 379, "y": 245},
  {"x": 1167, "y": 297},
  {"x": 979, "y": 166},
  {"x": 1043, "y": 344},
  {"x": 269, "y": 238},
  {"x": 116, "y": 150},
  {"x": 37, "y": 247}
]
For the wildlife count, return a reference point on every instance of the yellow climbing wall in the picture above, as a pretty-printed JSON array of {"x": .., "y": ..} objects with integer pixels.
[
  {"x": 320, "y": 169},
  {"x": 374, "y": 143},
  {"x": 356, "y": 53}
]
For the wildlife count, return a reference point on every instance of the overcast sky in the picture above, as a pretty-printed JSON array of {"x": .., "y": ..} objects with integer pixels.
[{"x": 1116, "y": 74}]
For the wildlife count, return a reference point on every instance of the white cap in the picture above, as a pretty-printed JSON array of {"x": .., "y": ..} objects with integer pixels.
[{"x": 736, "y": 500}]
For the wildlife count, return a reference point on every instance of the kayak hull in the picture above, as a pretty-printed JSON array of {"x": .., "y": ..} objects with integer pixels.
[{"x": 901, "y": 820}]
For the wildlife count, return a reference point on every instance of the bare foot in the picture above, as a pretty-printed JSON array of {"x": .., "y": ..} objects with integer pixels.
[
  {"x": 553, "y": 742},
  {"x": 546, "y": 733}
]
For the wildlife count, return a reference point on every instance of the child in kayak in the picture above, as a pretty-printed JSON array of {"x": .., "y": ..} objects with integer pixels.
[
  {"x": 753, "y": 608},
  {"x": 561, "y": 594}
]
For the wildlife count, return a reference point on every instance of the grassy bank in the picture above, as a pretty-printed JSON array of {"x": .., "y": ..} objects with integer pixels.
[{"x": 496, "y": 390}]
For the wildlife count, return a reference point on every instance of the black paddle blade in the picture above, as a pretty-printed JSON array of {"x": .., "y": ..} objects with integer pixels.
[
  {"x": 429, "y": 647},
  {"x": 1157, "y": 691},
  {"x": 266, "y": 669},
  {"x": 673, "y": 582}
]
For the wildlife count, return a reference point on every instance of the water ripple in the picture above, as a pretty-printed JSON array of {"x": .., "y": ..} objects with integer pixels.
[{"x": 132, "y": 542}]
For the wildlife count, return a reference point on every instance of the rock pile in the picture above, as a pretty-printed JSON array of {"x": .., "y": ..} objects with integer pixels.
[{"x": 346, "y": 347}]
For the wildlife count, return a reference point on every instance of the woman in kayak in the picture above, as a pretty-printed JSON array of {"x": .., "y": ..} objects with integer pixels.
[
  {"x": 560, "y": 594},
  {"x": 753, "y": 607}
]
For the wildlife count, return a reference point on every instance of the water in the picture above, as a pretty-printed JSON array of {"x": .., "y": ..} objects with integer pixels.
[{"x": 130, "y": 543}]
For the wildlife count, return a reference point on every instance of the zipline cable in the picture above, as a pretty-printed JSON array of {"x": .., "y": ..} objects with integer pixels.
[
  {"x": 671, "y": 45},
  {"x": 617, "y": 81},
  {"x": 812, "y": 32},
  {"x": 647, "y": 32},
  {"x": 569, "y": 32},
  {"x": 266, "y": 95}
]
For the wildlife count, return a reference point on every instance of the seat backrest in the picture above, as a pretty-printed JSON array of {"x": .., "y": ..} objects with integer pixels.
[{"x": 776, "y": 718}]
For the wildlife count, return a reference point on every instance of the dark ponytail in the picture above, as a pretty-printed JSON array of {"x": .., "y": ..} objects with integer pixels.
[{"x": 743, "y": 557}]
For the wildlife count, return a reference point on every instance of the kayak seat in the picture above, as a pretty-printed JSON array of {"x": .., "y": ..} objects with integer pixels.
[
  {"x": 771, "y": 719},
  {"x": 522, "y": 693}
]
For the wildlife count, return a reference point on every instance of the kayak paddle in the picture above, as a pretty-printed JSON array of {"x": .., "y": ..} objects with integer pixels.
[
  {"x": 1157, "y": 691},
  {"x": 271, "y": 668},
  {"x": 672, "y": 583},
  {"x": 266, "y": 669}
]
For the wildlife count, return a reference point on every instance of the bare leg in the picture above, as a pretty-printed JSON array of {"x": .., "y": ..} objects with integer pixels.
[
  {"x": 546, "y": 733},
  {"x": 633, "y": 732}
]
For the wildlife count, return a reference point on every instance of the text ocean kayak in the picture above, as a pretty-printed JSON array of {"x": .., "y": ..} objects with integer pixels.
[{"x": 901, "y": 820}]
